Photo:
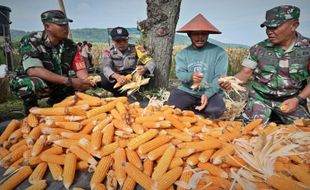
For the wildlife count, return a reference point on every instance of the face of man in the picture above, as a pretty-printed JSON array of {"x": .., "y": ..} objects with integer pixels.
[
  {"x": 58, "y": 31},
  {"x": 121, "y": 44},
  {"x": 282, "y": 34},
  {"x": 199, "y": 38}
]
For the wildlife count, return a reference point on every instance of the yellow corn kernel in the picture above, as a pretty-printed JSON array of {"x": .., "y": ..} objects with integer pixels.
[
  {"x": 69, "y": 169},
  {"x": 219, "y": 155},
  {"x": 299, "y": 173},
  {"x": 56, "y": 171},
  {"x": 99, "y": 186},
  {"x": 39, "y": 185},
  {"x": 137, "y": 128},
  {"x": 175, "y": 122},
  {"x": 184, "y": 152},
  {"x": 167, "y": 179},
  {"x": 16, "y": 145},
  {"x": 53, "y": 158},
  {"x": 119, "y": 124},
  {"x": 82, "y": 165},
  {"x": 96, "y": 140},
  {"x": 15, "y": 136},
  {"x": 17, "y": 178},
  {"x": 83, "y": 155},
  {"x": 72, "y": 126},
  {"x": 129, "y": 184},
  {"x": 156, "y": 153},
  {"x": 66, "y": 143},
  {"x": 99, "y": 117},
  {"x": 153, "y": 144},
  {"x": 101, "y": 170},
  {"x": 214, "y": 170},
  {"x": 32, "y": 120},
  {"x": 108, "y": 133},
  {"x": 108, "y": 149},
  {"x": 74, "y": 136},
  {"x": 175, "y": 162},
  {"x": 38, "y": 173},
  {"x": 185, "y": 177},
  {"x": 202, "y": 145},
  {"x": 33, "y": 136},
  {"x": 38, "y": 146},
  {"x": 148, "y": 167},
  {"x": 141, "y": 178},
  {"x": 193, "y": 159},
  {"x": 3, "y": 152},
  {"x": 143, "y": 119},
  {"x": 115, "y": 114},
  {"x": 136, "y": 142},
  {"x": 13, "y": 156},
  {"x": 14, "y": 166},
  {"x": 133, "y": 158},
  {"x": 205, "y": 155},
  {"x": 119, "y": 159},
  {"x": 12, "y": 126},
  {"x": 283, "y": 182},
  {"x": 164, "y": 162}
]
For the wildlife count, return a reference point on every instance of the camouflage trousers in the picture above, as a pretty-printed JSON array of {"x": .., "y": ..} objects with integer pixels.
[
  {"x": 260, "y": 107},
  {"x": 30, "y": 89}
]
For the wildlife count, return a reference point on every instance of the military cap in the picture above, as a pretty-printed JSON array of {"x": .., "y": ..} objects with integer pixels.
[
  {"x": 119, "y": 33},
  {"x": 278, "y": 15},
  {"x": 55, "y": 16}
]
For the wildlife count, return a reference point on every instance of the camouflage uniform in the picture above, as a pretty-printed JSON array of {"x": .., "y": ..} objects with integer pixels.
[
  {"x": 278, "y": 74},
  {"x": 114, "y": 61},
  {"x": 36, "y": 50}
]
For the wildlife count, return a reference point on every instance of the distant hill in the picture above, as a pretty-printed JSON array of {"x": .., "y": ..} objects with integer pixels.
[{"x": 101, "y": 35}]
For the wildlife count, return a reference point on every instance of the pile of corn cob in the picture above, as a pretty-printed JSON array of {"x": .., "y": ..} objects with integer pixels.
[{"x": 155, "y": 147}]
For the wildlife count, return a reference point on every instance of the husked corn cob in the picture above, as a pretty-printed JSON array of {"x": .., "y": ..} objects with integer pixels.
[
  {"x": 99, "y": 186},
  {"x": 164, "y": 162},
  {"x": 38, "y": 173},
  {"x": 193, "y": 159},
  {"x": 105, "y": 108},
  {"x": 108, "y": 149},
  {"x": 136, "y": 142},
  {"x": 72, "y": 126},
  {"x": 33, "y": 136},
  {"x": 141, "y": 178},
  {"x": 202, "y": 145},
  {"x": 148, "y": 167},
  {"x": 115, "y": 114},
  {"x": 101, "y": 170},
  {"x": 133, "y": 158},
  {"x": 98, "y": 117},
  {"x": 153, "y": 144},
  {"x": 102, "y": 124},
  {"x": 32, "y": 120},
  {"x": 218, "y": 181},
  {"x": 82, "y": 165},
  {"x": 16, "y": 179},
  {"x": 96, "y": 140},
  {"x": 121, "y": 109},
  {"x": 156, "y": 153},
  {"x": 119, "y": 159},
  {"x": 184, "y": 152},
  {"x": 175, "y": 162},
  {"x": 53, "y": 158},
  {"x": 15, "y": 136},
  {"x": 283, "y": 183},
  {"x": 38, "y": 146},
  {"x": 12, "y": 126},
  {"x": 175, "y": 122},
  {"x": 14, "y": 166},
  {"x": 66, "y": 143},
  {"x": 137, "y": 128},
  {"x": 129, "y": 184},
  {"x": 214, "y": 170},
  {"x": 3, "y": 152},
  {"x": 17, "y": 145},
  {"x": 74, "y": 136},
  {"x": 143, "y": 119},
  {"x": 56, "y": 171},
  {"x": 108, "y": 133},
  {"x": 299, "y": 173},
  {"x": 218, "y": 156},
  {"x": 205, "y": 155},
  {"x": 249, "y": 127},
  {"x": 69, "y": 169},
  {"x": 119, "y": 124},
  {"x": 53, "y": 150},
  {"x": 185, "y": 177},
  {"x": 168, "y": 179},
  {"x": 13, "y": 156},
  {"x": 40, "y": 185},
  {"x": 83, "y": 155},
  {"x": 68, "y": 101}
]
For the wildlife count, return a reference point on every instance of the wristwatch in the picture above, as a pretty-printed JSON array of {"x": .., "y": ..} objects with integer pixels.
[
  {"x": 301, "y": 100},
  {"x": 68, "y": 81}
]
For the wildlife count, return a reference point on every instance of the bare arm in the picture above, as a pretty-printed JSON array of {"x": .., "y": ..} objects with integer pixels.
[
  {"x": 46, "y": 75},
  {"x": 244, "y": 74}
]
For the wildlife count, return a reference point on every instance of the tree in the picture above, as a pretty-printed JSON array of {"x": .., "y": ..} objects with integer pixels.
[{"x": 159, "y": 32}]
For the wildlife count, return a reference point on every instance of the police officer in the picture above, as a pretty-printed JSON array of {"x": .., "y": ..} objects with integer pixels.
[
  {"x": 280, "y": 66},
  {"x": 47, "y": 57},
  {"x": 123, "y": 58}
]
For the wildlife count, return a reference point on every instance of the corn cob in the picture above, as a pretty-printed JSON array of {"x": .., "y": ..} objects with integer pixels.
[
  {"x": 38, "y": 146},
  {"x": 72, "y": 126},
  {"x": 17, "y": 178},
  {"x": 193, "y": 159},
  {"x": 176, "y": 162},
  {"x": 133, "y": 158},
  {"x": 108, "y": 133},
  {"x": 13, "y": 156},
  {"x": 164, "y": 162},
  {"x": 300, "y": 174},
  {"x": 108, "y": 149},
  {"x": 16, "y": 145},
  {"x": 283, "y": 183},
  {"x": 53, "y": 158},
  {"x": 66, "y": 143},
  {"x": 56, "y": 171},
  {"x": 175, "y": 122},
  {"x": 33, "y": 136},
  {"x": 101, "y": 170},
  {"x": 32, "y": 120},
  {"x": 12, "y": 126},
  {"x": 148, "y": 167},
  {"x": 202, "y": 145},
  {"x": 96, "y": 140},
  {"x": 137, "y": 128},
  {"x": 185, "y": 177},
  {"x": 156, "y": 153},
  {"x": 38, "y": 173},
  {"x": 98, "y": 117},
  {"x": 14, "y": 166},
  {"x": 214, "y": 170},
  {"x": 3, "y": 152},
  {"x": 153, "y": 144},
  {"x": 168, "y": 179},
  {"x": 119, "y": 158},
  {"x": 15, "y": 136},
  {"x": 141, "y": 178},
  {"x": 136, "y": 142},
  {"x": 129, "y": 184},
  {"x": 69, "y": 169},
  {"x": 83, "y": 155},
  {"x": 40, "y": 185},
  {"x": 99, "y": 186}
]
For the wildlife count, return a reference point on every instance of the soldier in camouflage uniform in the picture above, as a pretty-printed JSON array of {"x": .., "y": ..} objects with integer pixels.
[
  {"x": 280, "y": 67},
  {"x": 123, "y": 58},
  {"x": 46, "y": 58}
]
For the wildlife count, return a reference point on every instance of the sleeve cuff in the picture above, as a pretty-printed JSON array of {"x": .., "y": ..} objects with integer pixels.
[
  {"x": 31, "y": 62},
  {"x": 249, "y": 63}
]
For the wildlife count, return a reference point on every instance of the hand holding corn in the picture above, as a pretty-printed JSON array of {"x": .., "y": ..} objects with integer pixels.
[
  {"x": 289, "y": 105},
  {"x": 141, "y": 69}
]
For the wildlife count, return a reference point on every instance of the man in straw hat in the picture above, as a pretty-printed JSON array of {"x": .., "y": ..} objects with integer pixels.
[
  {"x": 280, "y": 67},
  {"x": 47, "y": 57},
  {"x": 199, "y": 66}
]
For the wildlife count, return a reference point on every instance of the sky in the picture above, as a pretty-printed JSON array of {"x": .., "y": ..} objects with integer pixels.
[{"x": 238, "y": 20}]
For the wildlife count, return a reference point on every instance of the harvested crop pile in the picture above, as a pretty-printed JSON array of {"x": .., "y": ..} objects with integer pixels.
[{"x": 155, "y": 147}]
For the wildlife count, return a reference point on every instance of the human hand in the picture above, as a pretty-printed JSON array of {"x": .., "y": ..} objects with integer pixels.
[
  {"x": 197, "y": 77},
  {"x": 81, "y": 84},
  {"x": 226, "y": 85},
  {"x": 203, "y": 101},
  {"x": 289, "y": 105},
  {"x": 121, "y": 79},
  {"x": 140, "y": 69}
]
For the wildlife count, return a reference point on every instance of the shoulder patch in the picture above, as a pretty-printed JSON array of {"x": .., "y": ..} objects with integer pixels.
[{"x": 106, "y": 52}]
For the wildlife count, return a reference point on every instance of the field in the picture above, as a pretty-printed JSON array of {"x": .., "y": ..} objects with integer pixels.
[{"x": 11, "y": 106}]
